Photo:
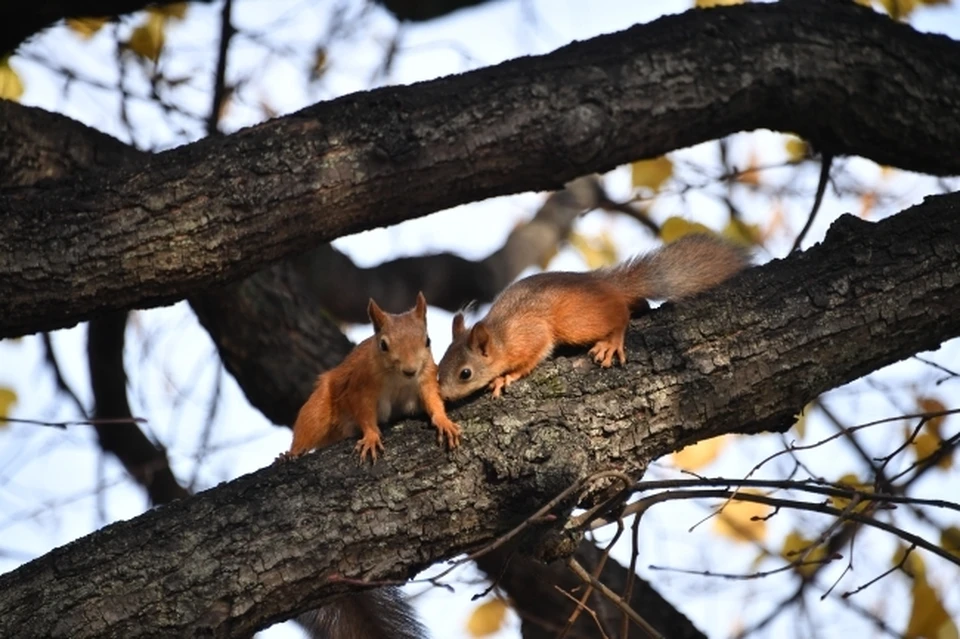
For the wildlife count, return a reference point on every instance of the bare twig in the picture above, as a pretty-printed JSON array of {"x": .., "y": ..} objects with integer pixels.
[{"x": 614, "y": 598}]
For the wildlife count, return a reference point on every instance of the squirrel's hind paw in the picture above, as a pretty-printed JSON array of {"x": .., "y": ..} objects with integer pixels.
[{"x": 604, "y": 351}]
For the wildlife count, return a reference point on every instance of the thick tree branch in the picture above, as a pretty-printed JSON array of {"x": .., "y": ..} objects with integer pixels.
[
  {"x": 20, "y": 19},
  {"x": 423, "y": 10},
  {"x": 846, "y": 78},
  {"x": 742, "y": 358},
  {"x": 291, "y": 308}
]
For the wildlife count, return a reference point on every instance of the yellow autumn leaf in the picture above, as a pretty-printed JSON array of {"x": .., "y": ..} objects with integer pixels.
[
  {"x": 742, "y": 520},
  {"x": 706, "y": 4},
  {"x": 8, "y": 397},
  {"x": 797, "y": 548},
  {"x": 487, "y": 618},
  {"x": 926, "y": 444},
  {"x": 950, "y": 540},
  {"x": 673, "y": 228},
  {"x": 797, "y": 149},
  {"x": 86, "y": 27},
  {"x": 596, "y": 251},
  {"x": 913, "y": 564},
  {"x": 851, "y": 482},
  {"x": 932, "y": 405},
  {"x": 653, "y": 173},
  {"x": 928, "y": 618},
  {"x": 696, "y": 456},
  {"x": 176, "y": 10},
  {"x": 320, "y": 60},
  {"x": 147, "y": 39},
  {"x": 899, "y": 9},
  {"x": 739, "y": 232},
  {"x": 11, "y": 87}
]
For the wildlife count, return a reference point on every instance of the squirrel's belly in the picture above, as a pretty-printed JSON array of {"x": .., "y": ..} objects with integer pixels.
[{"x": 399, "y": 401}]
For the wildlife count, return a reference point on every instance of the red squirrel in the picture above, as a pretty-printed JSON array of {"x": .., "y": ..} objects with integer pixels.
[
  {"x": 538, "y": 313},
  {"x": 388, "y": 375}
]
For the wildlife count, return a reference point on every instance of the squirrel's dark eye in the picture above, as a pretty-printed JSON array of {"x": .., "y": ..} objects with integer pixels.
[
  {"x": 383, "y": 345},
  {"x": 465, "y": 374},
  {"x": 428, "y": 342}
]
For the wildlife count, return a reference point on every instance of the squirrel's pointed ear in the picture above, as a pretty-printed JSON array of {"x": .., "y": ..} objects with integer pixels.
[
  {"x": 480, "y": 339},
  {"x": 377, "y": 316},
  {"x": 421, "y": 307},
  {"x": 458, "y": 325}
]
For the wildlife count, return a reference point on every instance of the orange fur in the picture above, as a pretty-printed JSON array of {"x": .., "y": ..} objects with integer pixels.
[
  {"x": 534, "y": 315},
  {"x": 388, "y": 375}
]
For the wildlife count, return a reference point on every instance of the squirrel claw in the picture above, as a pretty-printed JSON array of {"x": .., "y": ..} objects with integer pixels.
[
  {"x": 369, "y": 444},
  {"x": 452, "y": 433},
  {"x": 603, "y": 353}
]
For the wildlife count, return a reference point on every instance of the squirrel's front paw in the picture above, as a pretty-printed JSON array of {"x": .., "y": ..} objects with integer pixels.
[
  {"x": 449, "y": 430},
  {"x": 369, "y": 444}
]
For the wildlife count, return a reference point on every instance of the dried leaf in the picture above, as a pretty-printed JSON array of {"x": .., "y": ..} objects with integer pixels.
[
  {"x": 796, "y": 546},
  {"x": 913, "y": 564},
  {"x": 319, "y": 66},
  {"x": 487, "y": 618},
  {"x": 596, "y": 251},
  {"x": 8, "y": 397},
  {"x": 147, "y": 39},
  {"x": 11, "y": 86},
  {"x": 928, "y": 618},
  {"x": 950, "y": 540},
  {"x": 743, "y": 520},
  {"x": 932, "y": 405},
  {"x": 852, "y": 482},
  {"x": 797, "y": 149},
  {"x": 925, "y": 445},
  {"x": 739, "y": 232},
  {"x": 696, "y": 456},
  {"x": 673, "y": 228},
  {"x": 86, "y": 27},
  {"x": 652, "y": 174}
]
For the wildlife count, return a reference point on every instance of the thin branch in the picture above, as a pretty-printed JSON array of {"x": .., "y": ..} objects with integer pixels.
[
  {"x": 614, "y": 598},
  {"x": 220, "y": 93},
  {"x": 825, "y": 164}
]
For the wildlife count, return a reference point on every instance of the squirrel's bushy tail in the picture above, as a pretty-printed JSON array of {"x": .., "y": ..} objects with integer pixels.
[
  {"x": 382, "y": 613},
  {"x": 682, "y": 268}
]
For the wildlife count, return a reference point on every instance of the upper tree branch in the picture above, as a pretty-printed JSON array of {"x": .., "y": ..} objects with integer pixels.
[
  {"x": 20, "y": 19},
  {"x": 844, "y": 77},
  {"x": 742, "y": 358}
]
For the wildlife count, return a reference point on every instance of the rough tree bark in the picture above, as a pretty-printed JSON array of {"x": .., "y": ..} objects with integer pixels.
[
  {"x": 742, "y": 358},
  {"x": 849, "y": 80}
]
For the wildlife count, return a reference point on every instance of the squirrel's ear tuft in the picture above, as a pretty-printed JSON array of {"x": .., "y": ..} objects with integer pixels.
[
  {"x": 458, "y": 325},
  {"x": 480, "y": 339},
  {"x": 421, "y": 307},
  {"x": 377, "y": 316}
]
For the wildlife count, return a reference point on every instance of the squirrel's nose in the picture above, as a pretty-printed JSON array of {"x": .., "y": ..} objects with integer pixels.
[{"x": 409, "y": 372}]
